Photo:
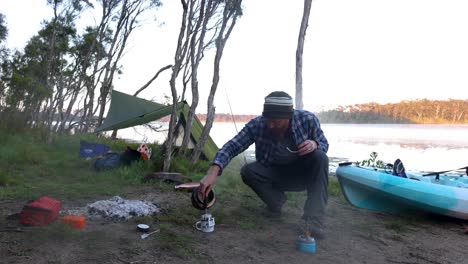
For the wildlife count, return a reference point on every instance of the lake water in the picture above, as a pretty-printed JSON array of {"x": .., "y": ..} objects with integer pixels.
[{"x": 420, "y": 147}]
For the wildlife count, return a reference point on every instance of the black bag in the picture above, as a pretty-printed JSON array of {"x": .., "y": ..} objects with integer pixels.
[{"x": 130, "y": 155}]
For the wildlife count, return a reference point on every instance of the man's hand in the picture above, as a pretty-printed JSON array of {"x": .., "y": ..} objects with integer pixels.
[
  {"x": 307, "y": 147},
  {"x": 207, "y": 183}
]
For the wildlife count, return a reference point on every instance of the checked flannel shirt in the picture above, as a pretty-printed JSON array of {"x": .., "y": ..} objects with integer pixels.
[{"x": 304, "y": 125}]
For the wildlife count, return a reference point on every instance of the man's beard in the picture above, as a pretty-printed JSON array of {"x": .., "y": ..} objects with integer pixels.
[{"x": 278, "y": 134}]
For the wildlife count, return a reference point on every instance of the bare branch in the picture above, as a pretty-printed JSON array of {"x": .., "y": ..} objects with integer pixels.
[{"x": 152, "y": 79}]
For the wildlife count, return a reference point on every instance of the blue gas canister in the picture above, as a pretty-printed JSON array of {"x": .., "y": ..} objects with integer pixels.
[{"x": 306, "y": 244}]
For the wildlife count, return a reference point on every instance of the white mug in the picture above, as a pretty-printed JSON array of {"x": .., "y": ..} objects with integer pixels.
[{"x": 206, "y": 223}]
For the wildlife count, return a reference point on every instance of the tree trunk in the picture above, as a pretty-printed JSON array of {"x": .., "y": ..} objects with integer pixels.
[
  {"x": 230, "y": 15},
  {"x": 196, "y": 49},
  {"x": 299, "y": 53},
  {"x": 178, "y": 57}
]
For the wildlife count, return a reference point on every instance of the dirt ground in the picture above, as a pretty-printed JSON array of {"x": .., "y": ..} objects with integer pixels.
[{"x": 352, "y": 236}]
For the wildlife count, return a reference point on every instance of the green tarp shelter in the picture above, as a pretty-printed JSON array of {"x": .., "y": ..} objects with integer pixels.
[{"x": 127, "y": 111}]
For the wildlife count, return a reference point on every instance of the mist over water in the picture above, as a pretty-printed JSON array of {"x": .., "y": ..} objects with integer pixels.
[{"x": 420, "y": 147}]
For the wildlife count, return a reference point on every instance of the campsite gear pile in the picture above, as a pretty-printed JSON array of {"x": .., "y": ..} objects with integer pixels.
[
  {"x": 137, "y": 111},
  {"x": 44, "y": 210},
  {"x": 112, "y": 160},
  {"x": 119, "y": 208}
]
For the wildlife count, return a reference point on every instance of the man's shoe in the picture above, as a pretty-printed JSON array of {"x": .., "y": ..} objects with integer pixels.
[
  {"x": 273, "y": 214},
  {"x": 313, "y": 228},
  {"x": 317, "y": 232}
]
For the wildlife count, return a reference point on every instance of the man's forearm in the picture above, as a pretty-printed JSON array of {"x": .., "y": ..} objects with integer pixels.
[{"x": 214, "y": 170}]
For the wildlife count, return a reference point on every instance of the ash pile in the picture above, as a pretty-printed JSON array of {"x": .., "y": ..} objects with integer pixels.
[{"x": 117, "y": 208}]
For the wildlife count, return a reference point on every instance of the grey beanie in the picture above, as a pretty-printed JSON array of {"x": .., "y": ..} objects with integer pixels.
[{"x": 278, "y": 105}]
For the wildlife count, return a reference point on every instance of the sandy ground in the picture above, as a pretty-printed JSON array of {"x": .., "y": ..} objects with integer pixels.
[{"x": 352, "y": 236}]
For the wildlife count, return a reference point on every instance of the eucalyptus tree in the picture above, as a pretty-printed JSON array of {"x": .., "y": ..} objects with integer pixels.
[
  {"x": 3, "y": 28},
  {"x": 34, "y": 85},
  {"x": 3, "y": 59},
  {"x": 99, "y": 52},
  {"x": 231, "y": 11},
  {"x": 204, "y": 23},
  {"x": 300, "y": 51},
  {"x": 57, "y": 35},
  {"x": 85, "y": 53},
  {"x": 182, "y": 59}
]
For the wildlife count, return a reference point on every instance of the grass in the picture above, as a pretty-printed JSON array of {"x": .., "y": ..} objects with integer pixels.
[{"x": 29, "y": 168}]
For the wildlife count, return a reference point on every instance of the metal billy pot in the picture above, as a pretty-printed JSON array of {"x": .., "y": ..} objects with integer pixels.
[{"x": 200, "y": 202}]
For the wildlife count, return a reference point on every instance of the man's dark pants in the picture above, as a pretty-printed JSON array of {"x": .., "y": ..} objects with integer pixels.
[{"x": 309, "y": 172}]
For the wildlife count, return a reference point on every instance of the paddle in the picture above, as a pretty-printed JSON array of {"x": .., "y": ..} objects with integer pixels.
[{"x": 440, "y": 172}]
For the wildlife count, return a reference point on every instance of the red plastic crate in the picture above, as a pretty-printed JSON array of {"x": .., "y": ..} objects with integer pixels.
[{"x": 40, "y": 212}]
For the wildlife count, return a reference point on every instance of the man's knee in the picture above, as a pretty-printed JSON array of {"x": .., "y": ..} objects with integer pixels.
[
  {"x": 318, "y": 158},
  {"x": 247, "y": 173}
]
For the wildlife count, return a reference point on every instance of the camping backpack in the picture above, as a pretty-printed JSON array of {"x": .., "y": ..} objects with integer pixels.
[
  {"x": 108, "y": 161},
  {"x": 40, "y": 212},
  {"x": 130, "y": 155}
]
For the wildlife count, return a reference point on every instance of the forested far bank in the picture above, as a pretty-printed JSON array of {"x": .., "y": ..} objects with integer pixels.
[{"x": 421, "y": 111}]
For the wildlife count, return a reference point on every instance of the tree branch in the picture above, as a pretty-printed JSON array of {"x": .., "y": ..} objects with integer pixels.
[{"x": 152, "y": 79}]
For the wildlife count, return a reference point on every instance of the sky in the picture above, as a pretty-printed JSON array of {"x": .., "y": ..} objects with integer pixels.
[{"x": 358, "y": 51}]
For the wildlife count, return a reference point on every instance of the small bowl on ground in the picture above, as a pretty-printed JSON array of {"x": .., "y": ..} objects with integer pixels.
[{"x": 143, "y": 228}]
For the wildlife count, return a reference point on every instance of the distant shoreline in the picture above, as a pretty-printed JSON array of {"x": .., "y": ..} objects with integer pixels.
[{"x": 421, "y": 111}]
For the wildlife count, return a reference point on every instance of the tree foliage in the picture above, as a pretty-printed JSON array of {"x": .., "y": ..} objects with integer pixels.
[
  {"x": 63, "y": 79},
  {"x": 421, "y": 111},
  {"x": 3, "y": 58},
  {"x": 3, "y": 28}
]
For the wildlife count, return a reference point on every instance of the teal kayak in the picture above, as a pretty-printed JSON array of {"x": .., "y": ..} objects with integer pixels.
[{"x": 379, "y": 190}]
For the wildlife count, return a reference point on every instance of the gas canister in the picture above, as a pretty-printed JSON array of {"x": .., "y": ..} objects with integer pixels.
[{"x": 306, "y": 244}]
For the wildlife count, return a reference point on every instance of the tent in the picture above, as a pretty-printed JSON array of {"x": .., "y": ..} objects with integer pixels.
[{"x": 127, "y": 111}]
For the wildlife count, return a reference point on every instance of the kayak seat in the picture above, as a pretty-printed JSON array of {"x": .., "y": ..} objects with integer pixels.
[{"x": 399, "y": 169}]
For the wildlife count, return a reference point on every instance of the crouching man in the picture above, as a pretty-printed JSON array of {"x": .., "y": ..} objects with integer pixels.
[{"x": 290, "y": 150}]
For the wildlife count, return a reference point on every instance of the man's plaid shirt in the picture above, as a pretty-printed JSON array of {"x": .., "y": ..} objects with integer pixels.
[{"x": 304, "y": 125}]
